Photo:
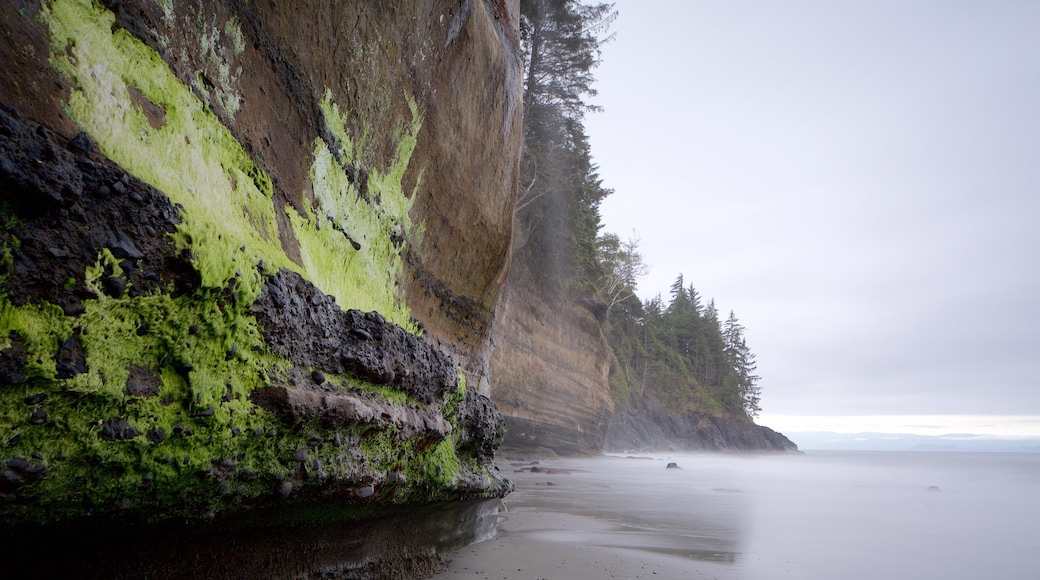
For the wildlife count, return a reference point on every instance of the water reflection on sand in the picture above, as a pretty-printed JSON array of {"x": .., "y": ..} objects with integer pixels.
[
  {"x": 649, "y": 508},
  {"x": 816, "y": 516}
]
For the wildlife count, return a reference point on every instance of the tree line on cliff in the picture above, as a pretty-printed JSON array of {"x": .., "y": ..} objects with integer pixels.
[{"x": 681, "y": 354}]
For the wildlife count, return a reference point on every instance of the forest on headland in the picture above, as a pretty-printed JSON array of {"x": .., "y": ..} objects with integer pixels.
[{"x": 679, "y": 351}]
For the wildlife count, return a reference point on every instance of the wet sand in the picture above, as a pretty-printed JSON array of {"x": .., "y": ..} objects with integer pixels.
[
  {"x": 546, "y": 531},
  {"x": 534, "y": 544},
  {"x": 817, "y": 516}
]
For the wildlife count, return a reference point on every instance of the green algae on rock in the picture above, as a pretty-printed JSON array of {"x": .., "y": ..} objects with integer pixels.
[{"x": 226, "y": 197}]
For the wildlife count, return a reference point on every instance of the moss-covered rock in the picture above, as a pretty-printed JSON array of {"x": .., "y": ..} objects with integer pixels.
[{"x": 186, "y": 332}]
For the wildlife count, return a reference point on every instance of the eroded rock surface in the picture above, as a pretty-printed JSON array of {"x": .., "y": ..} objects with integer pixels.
[
  {"x": 551, "y": 365},
  {"x": 646, "y": 426},
  {"x": 310, "y": 329}
]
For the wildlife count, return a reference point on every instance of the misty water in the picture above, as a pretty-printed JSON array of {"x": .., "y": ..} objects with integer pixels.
[{"x": 821, "y": 515}]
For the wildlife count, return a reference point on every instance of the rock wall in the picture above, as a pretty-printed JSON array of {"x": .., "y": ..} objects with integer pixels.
[
  {"x": 550, "y": 368},
  {"x": 250, "y": 253},
  {"x": 646, "y": 426}
]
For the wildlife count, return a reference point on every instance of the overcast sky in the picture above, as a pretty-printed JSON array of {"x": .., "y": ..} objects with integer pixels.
[{"x": 859, "y": 181}]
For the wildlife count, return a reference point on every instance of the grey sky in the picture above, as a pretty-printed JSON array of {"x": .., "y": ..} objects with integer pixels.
[{"x": 859, "y": 181}]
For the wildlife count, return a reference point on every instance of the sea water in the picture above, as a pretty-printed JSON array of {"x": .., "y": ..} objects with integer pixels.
[{"x": 820, "y": 515}]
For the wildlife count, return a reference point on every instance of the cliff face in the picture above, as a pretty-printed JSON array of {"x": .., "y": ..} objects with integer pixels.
[
  {"x": 251, "y": 252},
  {"x": 550, "y": 368},
  {"x": 645, "y": 426}
]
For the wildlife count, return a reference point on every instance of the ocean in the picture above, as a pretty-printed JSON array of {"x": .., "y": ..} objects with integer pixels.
[{"x": 819, "y": 515}]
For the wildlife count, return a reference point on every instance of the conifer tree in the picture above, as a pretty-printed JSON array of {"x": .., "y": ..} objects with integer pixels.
[
  {"x": 557, "y": 211},
  {"x": 742, "y": 362}
]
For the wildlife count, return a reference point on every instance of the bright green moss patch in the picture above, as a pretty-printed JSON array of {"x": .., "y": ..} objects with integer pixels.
[
  {"x": 192, "y": 157},
  {"x": 229, "y": 220},
  {"x": 199, "y": 445},
  {"x": 357, "y": 246}
]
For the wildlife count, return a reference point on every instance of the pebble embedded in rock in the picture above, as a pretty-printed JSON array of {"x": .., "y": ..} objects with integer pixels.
[
  {"x": 118, "y": 430},
  {"x": 39, "y": 416},
  {"x": 367, "y": 491},
  {"x": 36, "y": 399},
  {"x": 10, "y": 478},
  {"x": 362, "y": 334},
  {"x": 74, "y": 309},
  {"x": 156, "y": 436},
  {"x": 82, "y": 143},
  {"x": 300, "y": 456},
  {"x": 318, "y": 377},
  {"x": 119, "y": 187},
  {"x": 122, "y": 247},
  {"x": 7, "y": 167},
  {"x": 285, "y": 490},
  {"x": 18, "y": 464},
  {"x": 114, "y": 287}
]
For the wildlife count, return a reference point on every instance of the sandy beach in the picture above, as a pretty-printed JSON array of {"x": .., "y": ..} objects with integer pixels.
[
  {"x": 541, "y": 537},
  {"x": 759, "y": 517},
  {"x": 535, "y": 544}
]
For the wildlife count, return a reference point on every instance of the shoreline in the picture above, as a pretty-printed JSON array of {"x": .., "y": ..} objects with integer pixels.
[
  {"x": 535, "y": 544},
  {"x": 541, "y": 541}
]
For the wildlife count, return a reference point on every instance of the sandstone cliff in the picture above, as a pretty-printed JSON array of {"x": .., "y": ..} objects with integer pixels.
[
  {"x": 251, "y": 252},
  {"x": 550, "y": 368}
]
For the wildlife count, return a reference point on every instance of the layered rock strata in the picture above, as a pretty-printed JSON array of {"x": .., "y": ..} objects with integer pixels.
[
  {"x": 644, "y": 425},
  {"x": 551, "y": 365}
]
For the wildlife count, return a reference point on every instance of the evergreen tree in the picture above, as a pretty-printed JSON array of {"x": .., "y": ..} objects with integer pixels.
[
  {"x": 557, "y": 212},
  {"x": 561, "y": 40},
  {"x": 742, "y": 363}
]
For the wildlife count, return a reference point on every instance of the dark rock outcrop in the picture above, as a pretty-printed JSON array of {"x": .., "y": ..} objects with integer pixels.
[
  {"x": 310, "y": 329},
  {"x": 646, "y": 426}
]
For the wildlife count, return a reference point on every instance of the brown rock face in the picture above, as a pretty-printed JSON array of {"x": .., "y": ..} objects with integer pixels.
[{"x": 550, "y": 368}]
